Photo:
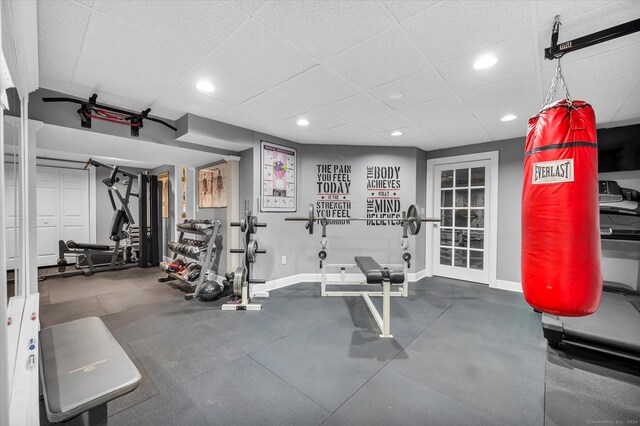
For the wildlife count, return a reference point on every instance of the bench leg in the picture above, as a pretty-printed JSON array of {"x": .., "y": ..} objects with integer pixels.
[
  {"x": 386, "y": 309},
  {"x": 97, "y": 416}
]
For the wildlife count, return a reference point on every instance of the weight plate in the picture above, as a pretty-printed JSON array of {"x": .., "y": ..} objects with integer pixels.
[
  {"x": 312, "y": 219},
  {"x": 243, "y": 224},
  {"x": 252, "y": 228},
  {"x": 322, "y": 255},
  {"x": 406, "y": 257},
  {"x": 414, "y": 218},
  {"x": 252, "y": 251},
  {"x": 238, "y": 279}
]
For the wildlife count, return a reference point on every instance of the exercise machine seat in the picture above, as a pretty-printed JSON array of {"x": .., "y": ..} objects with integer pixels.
[
  {"x": 73, "y": 245},
  {"x": 376, "y": 274},
  {"x": 82, "y": 367}
]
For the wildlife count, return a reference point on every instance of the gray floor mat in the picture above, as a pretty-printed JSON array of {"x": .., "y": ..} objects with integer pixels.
[
  {"x": 72, "y": 310},
  {"x": 242, "y": 392}
]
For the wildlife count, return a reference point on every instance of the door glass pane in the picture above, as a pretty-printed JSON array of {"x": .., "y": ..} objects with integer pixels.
[
  {"x": 461, "y": 238},
  {"x": 460, "y": 258},
  {"x": 445, "y": 256},
  {"x": 445, "y": 237},
  {"x": 477, "y": 176},
  {"x": 446, "y": 198},
  {"x": 462, "y": 198},
  {"x": 477, "y": 218},
  {"x": 477, "y": 197},
  {"x": 446, "y": 217},
  {"x": 476, "y": 259},
  {"x": 462, "y": 178},
  {"x": 462, "y": 218},
  {"x": 476, "y": 239},
  {"x": 446, "y": 179}
]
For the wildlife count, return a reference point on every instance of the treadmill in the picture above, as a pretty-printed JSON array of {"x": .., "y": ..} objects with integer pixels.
[{"x": 615, "y": 327}]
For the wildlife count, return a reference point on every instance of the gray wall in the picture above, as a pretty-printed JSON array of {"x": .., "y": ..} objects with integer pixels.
[
  {"x": 290, "y": 239},
  {"x": 511, "y": 170}
]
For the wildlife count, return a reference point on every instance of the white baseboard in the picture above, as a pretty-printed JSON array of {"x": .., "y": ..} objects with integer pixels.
[
  {"x": 262, "y": 290},
  {"x": 508, "y": 285}
]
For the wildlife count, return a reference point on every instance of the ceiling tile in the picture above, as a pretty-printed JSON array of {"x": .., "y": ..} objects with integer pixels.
[
  {"x": 248, "y": 6},
  {"x": 412, "y": 132},
  {"x": 381, "y": 59},
  {"x": 346, "y": 134},
  {"x": 62, "y": 86},
  {"x": 515, "y": 58},
  {"x": 56, "y": 62},
  {"x": 504, "y": 94},
  {"x": 318, "y": 122},
  {"x": 465, "y": 135},
  {"x": 62, "y": 23},
  {"x": 402, "y": 9},
  {"x": 260, "y": 55},
  {"x": 317, "y": 87},
  {"x": 88, "y": 3},
  {"x": 242, "y": 117},
  {"x": 546, "y": 10},
  {"x": 190, "y": 101},
  {"x": 324, "y": 28},
  {"x": 631, "y": 107},
  {"x": 607, "y": 98},
  {"x": 444, "y": 116},
  {"x": 490, "y": 117},
  {"x": 451, "y": 29},
  {"x": 417, "y": 88},
  {"x": 381, "y": 123},
  {"x": 356, "y": 108},
  {"x": 229, "y": 86},
  {"x": 275, "y": 105}
]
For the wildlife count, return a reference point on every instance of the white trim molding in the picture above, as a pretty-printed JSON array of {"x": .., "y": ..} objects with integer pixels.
[
  {"x": 508, "y": 285},
  {"x": 493, "y": 157}
]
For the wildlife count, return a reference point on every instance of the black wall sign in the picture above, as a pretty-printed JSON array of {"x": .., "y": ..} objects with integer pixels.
[
  {"x": 334, "y": 193},
  {"x": 383, "y": 195}
]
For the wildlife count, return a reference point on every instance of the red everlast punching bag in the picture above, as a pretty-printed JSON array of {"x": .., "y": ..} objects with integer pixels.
[{"x": 560, "y": 214}]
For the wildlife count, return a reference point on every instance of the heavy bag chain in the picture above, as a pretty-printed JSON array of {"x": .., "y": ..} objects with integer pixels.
[{"x": 552, "y": 90}]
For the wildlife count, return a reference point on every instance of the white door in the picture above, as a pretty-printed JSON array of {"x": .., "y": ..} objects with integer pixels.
[
  {"x": 462, "y": 194},
  {"x": 74, "y": 209},
  {"x": 62, "y": 208},
  {"x": 11, "y": 214},
  {"x": 48, "y": 214}
]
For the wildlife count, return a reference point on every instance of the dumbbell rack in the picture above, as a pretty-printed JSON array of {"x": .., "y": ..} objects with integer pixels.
[
  {"x": 205, "y": 261},
  {"x": 243, "y": 275}
]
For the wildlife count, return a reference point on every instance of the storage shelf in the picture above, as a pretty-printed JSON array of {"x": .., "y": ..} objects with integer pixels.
[
  {"x": 181, "y": 278},
  {"x": 207, "y": 232}
]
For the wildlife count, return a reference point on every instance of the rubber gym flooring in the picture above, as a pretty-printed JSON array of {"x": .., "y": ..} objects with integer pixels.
[{"x": 462, "y": 353}]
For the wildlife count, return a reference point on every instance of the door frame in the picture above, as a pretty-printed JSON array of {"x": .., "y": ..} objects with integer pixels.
[{"x": 493, "y": 157}]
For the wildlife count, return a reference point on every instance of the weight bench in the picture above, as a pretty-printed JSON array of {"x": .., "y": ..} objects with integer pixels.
[
  {"x": 82, "y": 368},
  {"x": 376, "y": 274}
]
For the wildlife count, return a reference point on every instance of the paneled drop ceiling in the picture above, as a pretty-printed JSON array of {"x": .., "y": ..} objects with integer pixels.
[{"x": 356, "y": 70}]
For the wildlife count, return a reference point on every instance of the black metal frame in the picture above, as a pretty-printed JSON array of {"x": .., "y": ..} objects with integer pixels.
[
  {"x": 87, "y": 107},
  {"x": 558, "y": 50}
]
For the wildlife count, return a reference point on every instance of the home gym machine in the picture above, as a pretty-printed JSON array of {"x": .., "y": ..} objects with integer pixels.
[
  {"x": 242, "y": 278},
  {"x": 125, "y": 253},
  {"x": 387, "y": 275}
]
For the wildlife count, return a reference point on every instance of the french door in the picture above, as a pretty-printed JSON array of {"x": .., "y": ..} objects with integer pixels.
[{"x": 461, "y": 243}]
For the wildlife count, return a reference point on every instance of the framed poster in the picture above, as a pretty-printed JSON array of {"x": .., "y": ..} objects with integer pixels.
[
  {"x": 163, "y": 178},
  {"x": 277, "y": 178},
  {"x": 212, "y": 184}
]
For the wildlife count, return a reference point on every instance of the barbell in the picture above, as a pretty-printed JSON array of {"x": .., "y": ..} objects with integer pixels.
[{"x": 411, "y": 218}]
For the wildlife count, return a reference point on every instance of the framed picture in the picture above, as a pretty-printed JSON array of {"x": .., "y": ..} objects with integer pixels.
[
  {"x": 212, "y": 186},
  {"x": 163, "y": 179},
  {"x": 277, "y": 178}
]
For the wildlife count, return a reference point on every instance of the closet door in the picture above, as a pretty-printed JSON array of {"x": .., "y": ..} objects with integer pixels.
[
  {"x": 48, "y": 212},
  {"x": 11, "y": 218},
  {"x": 74, "y": 208}
]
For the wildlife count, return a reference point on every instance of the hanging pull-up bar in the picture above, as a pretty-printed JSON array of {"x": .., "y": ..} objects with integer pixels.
[{"x": 557, "y": 50}]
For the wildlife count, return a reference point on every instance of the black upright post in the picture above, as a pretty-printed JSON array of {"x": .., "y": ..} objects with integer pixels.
[
  {"x": 155, "y": 218},
  {"x": 143, "y": 241}
]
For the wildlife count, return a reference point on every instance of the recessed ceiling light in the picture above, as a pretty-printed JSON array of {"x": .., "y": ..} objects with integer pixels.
[
  {"x": 302, "y": 122},
  {"x": 509, "y": 117},
  {"x": 396, "y": 133},
  {"x": 205, "y": 86},
  {"x": 395, "y": 96},
  {"x": 485, "y": 62}
]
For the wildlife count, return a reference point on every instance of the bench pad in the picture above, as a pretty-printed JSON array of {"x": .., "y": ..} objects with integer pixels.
[
  {"x": 73, "y": 245},
  {"x": 82, "y": 366},
  {"x": 375, "y": 273}
]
